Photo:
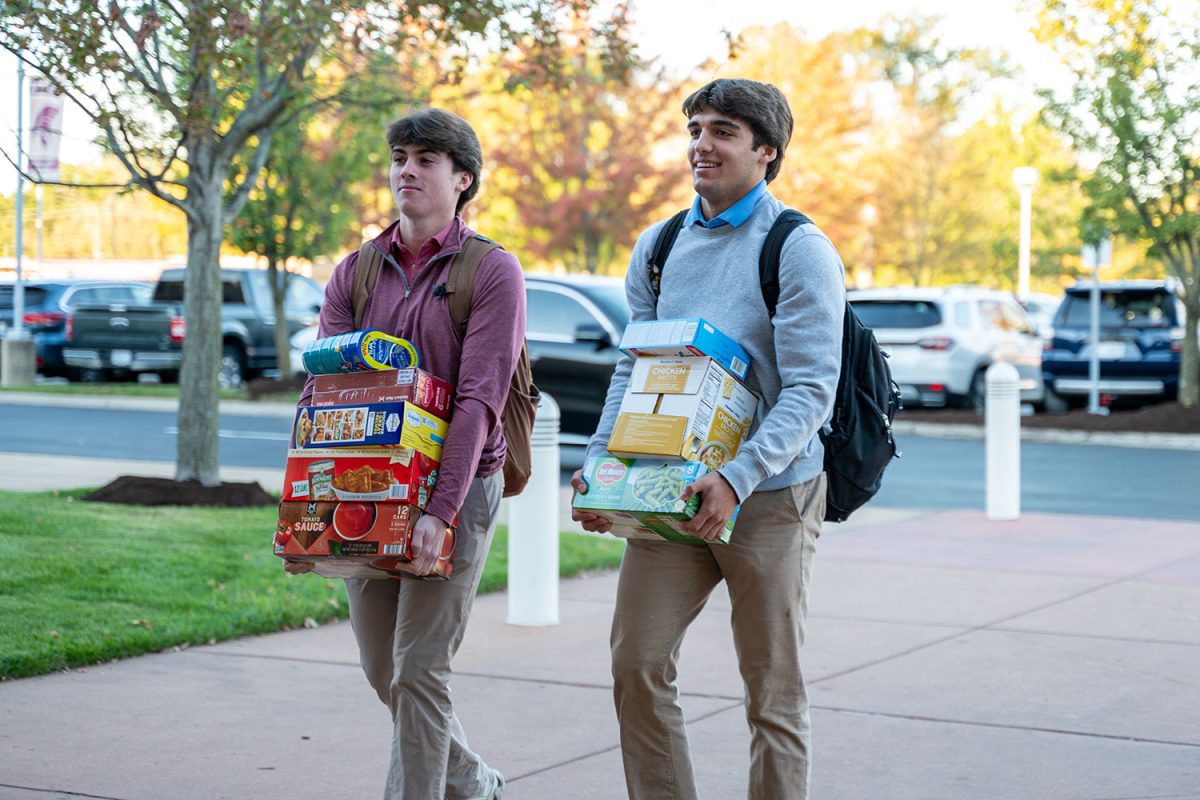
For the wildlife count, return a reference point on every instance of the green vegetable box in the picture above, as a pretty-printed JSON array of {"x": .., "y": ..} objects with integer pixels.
[{"x": 640, "y": 496}]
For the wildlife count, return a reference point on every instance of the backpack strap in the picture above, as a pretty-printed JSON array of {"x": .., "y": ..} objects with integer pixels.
[
  {"x": 366, "y": 273},
  {"x": 662, "y": 248},
  {"x": 768, "y": 257},
  {"x": 460, "y": 282}
]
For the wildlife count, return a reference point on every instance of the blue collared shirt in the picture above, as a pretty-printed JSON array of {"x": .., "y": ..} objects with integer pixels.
[{"x": 735, "y": 215}]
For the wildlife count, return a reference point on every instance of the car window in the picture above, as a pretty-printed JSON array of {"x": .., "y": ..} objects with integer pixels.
[
  {"x": 993, "y": 316},
  {"x": 613, "y": 302},
  {"x": 962, "y": 315},
  {"x": 1132, "y": 308},
  {"x": 34, "y": 296},
  {"x": 1017, "y": 319},
  {"x": 897, "y": 313},
  {"x": 171, "y": 291},
  {"x": 302, "y": 295},
  {"x": 552, "y": 316}
]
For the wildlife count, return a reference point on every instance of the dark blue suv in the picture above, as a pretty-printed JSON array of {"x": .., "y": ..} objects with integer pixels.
[
  {"x": 48, "y": 307},
  {"x": 1139, "y": 348}
]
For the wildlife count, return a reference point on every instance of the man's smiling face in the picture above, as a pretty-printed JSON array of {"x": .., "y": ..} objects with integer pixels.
[{"x": 725, "y": 164}]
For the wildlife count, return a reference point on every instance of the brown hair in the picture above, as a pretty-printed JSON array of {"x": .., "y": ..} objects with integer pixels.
[
  {"x": 442, "y": 132},
  {"x": 760, "y": 104}
]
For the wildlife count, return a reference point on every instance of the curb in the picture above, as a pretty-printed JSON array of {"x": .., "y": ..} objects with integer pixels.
[
  {"x": 244, "y": 408},
  {"x": 1154, "y": 441}
]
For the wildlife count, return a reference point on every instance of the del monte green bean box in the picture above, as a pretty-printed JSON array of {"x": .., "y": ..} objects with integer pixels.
[{"x": 641, "y": 496}]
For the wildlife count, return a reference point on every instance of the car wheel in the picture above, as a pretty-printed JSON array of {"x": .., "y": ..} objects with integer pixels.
[
  {"x": 233, "y": 367},
  {"x": 1055, "y": 403},
  {"x": 88, "y": 375},
  {"x": 976, "y": 399},
  {"x": 169, "y": 376}
]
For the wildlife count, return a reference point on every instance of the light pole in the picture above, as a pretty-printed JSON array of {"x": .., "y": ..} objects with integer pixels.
[{"x": 1026, "y": 178}]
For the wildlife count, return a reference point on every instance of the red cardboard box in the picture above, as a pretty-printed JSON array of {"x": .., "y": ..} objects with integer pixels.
[
  {"x": 411, "y": 385},
  {"x": 400, "y": 475},
  {"x": 355, "y": 540}
]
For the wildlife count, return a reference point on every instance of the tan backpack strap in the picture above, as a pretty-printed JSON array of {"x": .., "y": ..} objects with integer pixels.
[
  {"x": 461, "y": 280},
  {"x": 366, "y": 273}
]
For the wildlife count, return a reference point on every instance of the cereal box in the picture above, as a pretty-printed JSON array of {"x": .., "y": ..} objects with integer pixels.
[
  {"x": 381, "y": 475},
  {"x": 369, "y": 425},
  {"x": 685, "y": 337},
  {"x": 412, "y": 385},
  {"x": 354, "y": 540},
  {"x": 689, "y": 408},
  {"x": 641, "y": 496}
]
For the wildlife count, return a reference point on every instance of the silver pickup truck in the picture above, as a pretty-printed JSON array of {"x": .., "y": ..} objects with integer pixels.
[{"x": 119, "y": 341}]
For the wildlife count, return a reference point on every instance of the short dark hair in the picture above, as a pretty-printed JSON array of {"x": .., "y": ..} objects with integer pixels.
[
  {"x": 760, "y": 104},
  {"x": 442, "y": 132}
]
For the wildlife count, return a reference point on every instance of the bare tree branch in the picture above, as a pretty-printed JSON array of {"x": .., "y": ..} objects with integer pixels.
[{"x": 240, "y": 194}]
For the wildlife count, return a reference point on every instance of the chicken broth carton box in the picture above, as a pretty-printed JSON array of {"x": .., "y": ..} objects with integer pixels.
[
  {"x": 355, "y": 540},
  {"x": 382, "y": 475},
  {"x": 412, "y": 385},
  {"x": 689, "y": 408},
  {"x": 641, "y": 496},
  {"x": 685, "y": 337},
  {"x": 399, "y": 424}
]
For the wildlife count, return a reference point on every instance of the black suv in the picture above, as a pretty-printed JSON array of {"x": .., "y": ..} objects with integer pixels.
[
  {"x": 573, "y": 326},
  {"x": 1139, "y": 349}
]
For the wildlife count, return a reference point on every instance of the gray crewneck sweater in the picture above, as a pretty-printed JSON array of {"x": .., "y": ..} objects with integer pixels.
[{"x": 795, "y": 358}]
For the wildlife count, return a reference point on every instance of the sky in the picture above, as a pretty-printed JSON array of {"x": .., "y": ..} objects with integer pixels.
[{"x": 684, "y": 33}]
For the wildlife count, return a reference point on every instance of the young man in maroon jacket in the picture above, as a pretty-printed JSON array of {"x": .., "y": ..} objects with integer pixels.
[{"x": 408, "y": 630}]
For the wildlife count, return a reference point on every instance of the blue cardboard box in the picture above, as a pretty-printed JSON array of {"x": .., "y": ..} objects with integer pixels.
[{"x": 685, "y": 337}]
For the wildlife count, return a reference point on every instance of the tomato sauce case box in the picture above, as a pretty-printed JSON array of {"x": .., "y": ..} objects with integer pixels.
[
  {"x": 355, "y": 540},
  {"x": 685, "y": 337},
  {"x": 689, "y": 408},
  {"x": 411, "y": 385},
  {"x": 384, "y": 475},
  {"x": 369, "y": 425},
  {"x": 640, "y": 496}
]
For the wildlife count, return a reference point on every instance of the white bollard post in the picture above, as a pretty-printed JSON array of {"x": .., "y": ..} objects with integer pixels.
[
  {"x": 533, "y": 529},
  {"x": 1002, "y": 418}
]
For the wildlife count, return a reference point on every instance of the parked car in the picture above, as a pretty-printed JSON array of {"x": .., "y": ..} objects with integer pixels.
[
  {"x": 1041, "y": 308},
  {"x": 941, "y": 341},
  {"x": 573, "y": 325},
  {"x": 119, "y": 340},
  {"x": 48, "y": 309},
  {"x": 1139, "y": 349}
]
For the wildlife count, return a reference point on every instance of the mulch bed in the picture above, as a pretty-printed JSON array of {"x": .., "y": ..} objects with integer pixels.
[
  {"x": 137, "y": 490},
  {"x": 1160, "y": 418}
]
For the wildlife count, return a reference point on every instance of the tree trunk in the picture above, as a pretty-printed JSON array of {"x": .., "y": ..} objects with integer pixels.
[
  {"x": 283, "y": 345},
  {"x": 197, "y": 454}
]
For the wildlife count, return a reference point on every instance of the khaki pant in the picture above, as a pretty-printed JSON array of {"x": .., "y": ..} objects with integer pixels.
[
  {"x": 662, "y": 588},
  {"x": 407, "y": 633}
]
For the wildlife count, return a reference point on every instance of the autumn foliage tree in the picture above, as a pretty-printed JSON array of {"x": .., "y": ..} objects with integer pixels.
[{"x": 577, "y": 163}]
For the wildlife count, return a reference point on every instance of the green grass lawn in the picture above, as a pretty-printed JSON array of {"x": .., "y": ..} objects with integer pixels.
[
  {"x": 121, "y": 389},
  {"x": 82, "y": 583}
]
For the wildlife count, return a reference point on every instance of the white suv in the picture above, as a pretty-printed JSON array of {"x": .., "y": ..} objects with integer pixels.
[{"x": 940, "y": 341}]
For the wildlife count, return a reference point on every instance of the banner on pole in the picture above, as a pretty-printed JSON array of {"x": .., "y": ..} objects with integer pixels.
[{"x": 45, "y": 111}]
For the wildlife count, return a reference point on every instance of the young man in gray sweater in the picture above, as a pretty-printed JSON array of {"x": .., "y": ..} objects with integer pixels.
[{"x": 739, "y": 132}]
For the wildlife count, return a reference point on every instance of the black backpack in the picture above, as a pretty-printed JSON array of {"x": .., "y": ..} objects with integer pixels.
[{"x": 859, "y": 445}]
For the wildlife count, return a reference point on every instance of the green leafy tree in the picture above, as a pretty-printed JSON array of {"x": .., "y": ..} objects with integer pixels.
[
  {"x": 304, "y": 205},
  {"x": 180, "y": 90},
  {"x": 1135, "y": 107}
]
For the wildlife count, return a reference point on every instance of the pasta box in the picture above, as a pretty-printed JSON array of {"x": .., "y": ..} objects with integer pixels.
[
  {"x": 685, "y": 337},
  {"x": 410, "y": 385},
  {"x": 354, "y": 540},
  {"x": 399, "y": 424},
  {"x": 690, "y": 408},
  {"x": 382, "y": 475},
  {"x": 641, "y": 496}
]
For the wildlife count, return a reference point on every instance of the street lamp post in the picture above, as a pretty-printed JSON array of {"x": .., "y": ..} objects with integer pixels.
[{"x": 1026, "y": 178}]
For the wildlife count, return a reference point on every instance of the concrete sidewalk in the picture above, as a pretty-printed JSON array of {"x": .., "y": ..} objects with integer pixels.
[{"x": 1050, "y": 658}]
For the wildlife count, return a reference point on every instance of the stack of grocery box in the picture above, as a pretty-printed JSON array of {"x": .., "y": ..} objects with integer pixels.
[
  {"x": 685, "y": 413},
  {"x": 362, "y": 462}
]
